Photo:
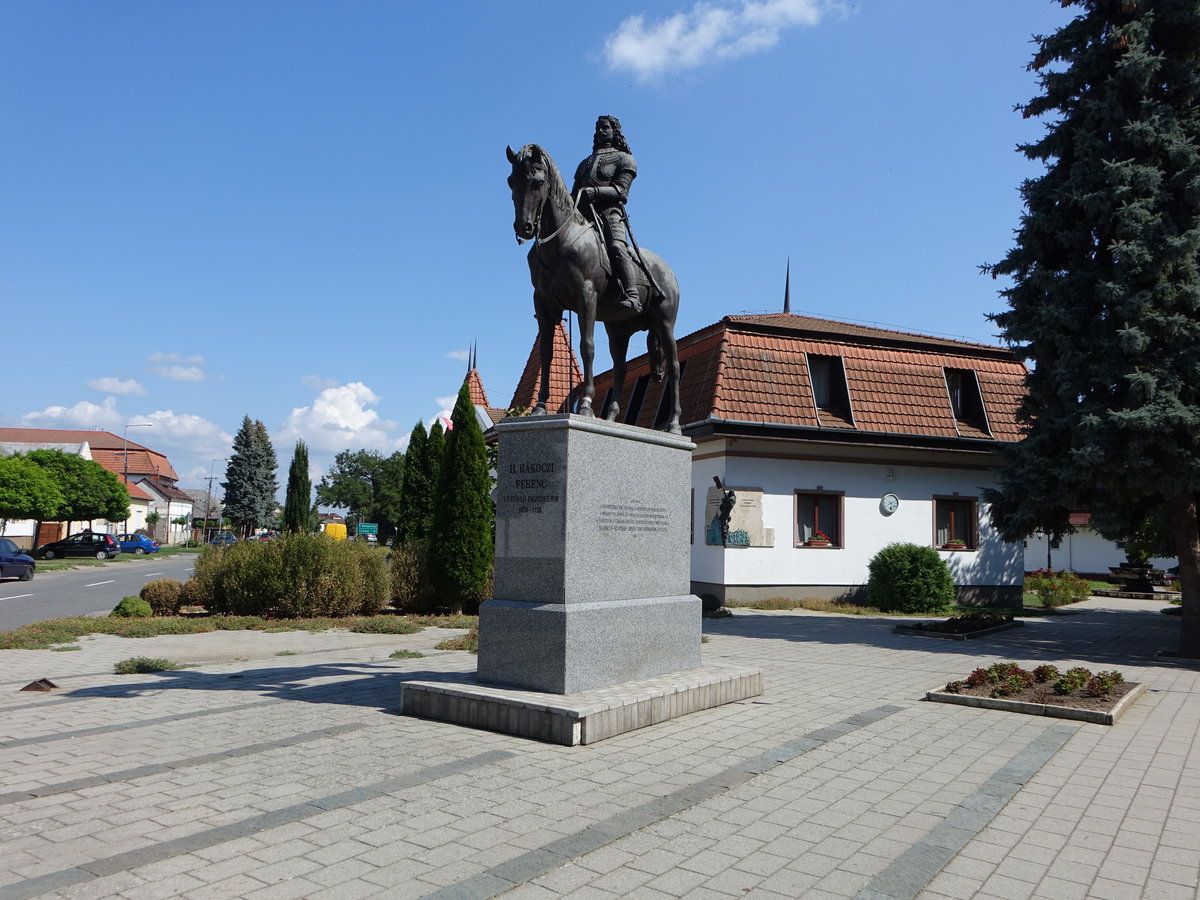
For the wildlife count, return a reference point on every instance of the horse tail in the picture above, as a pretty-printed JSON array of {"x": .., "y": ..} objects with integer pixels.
[{"x": 657, "y": 360}]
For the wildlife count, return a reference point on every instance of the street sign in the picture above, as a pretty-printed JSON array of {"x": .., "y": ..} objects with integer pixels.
[{"x": 367, "y": 528}]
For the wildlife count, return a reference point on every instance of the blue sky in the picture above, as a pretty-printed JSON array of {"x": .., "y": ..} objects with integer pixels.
[{"x": 297, "y": 211}]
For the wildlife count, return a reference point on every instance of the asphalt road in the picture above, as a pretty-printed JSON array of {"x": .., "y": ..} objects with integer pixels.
[{"x": 81, "y": 592}]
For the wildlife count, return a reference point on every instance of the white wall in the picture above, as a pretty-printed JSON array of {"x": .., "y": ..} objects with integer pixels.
[
  {"x": 865, "y": 529},
  {"x": 1083, "y": 551}
]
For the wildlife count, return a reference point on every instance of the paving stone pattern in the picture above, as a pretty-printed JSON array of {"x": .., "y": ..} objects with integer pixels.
[{"x": 293, "y": 776}]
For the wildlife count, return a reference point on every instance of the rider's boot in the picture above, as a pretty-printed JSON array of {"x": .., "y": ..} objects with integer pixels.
[{"x": 627, "y": 278}]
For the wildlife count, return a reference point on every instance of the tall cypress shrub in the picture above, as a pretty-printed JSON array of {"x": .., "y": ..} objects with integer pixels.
[
  {"x": 460, "y": 553},
  {"x": 437, "y": 455},
  {"x": 296, "y": 504},
  {"x": 415, "y": 518}
]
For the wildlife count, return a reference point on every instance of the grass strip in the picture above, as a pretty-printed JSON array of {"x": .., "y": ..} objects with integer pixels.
[
  {"x": 814, "y": 604},
  {"x": 53, "y": 632}
]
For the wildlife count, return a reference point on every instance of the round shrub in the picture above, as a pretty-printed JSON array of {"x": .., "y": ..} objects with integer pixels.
[
  {"x": 164, "y": 596},
  {"x": 412, "y": 586},
  {"x": 132, "y": 608},
  {"x": 297, "y": 575},
  {"x": 910, "y": 578}
]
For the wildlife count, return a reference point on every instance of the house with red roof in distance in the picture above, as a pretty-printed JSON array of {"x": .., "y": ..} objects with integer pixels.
[
  {"x": 565, "y": 374},
  {"x": 836, "y": 440},
  {"x": 148, "y": 475}
]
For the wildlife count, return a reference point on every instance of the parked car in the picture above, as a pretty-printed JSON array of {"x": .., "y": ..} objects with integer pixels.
[
  {"x": 223, "y": 539},
  {"x": 15, "y": 562},
  {"x": 85, "y": 543},
  {"x": 137, "y": 544}
]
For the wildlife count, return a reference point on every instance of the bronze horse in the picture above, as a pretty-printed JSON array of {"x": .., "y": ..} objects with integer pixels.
[{"x": 568, "y": 266}]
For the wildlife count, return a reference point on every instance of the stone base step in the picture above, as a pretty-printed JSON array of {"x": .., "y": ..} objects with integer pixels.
[{"x": 582, "y": 718}]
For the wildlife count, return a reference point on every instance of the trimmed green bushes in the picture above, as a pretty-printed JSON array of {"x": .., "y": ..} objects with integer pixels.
[
  {"x": 296, "y": 575},
  {"x": 910, "y": 578},
  {"x": 1057, "y": 588},
  {"x": 163, "y": 595},
  {"x": 132, "y": 608},
  {"x": 412, "y": 587}
]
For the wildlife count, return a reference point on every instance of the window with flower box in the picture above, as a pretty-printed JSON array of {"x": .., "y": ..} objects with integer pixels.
[
  {"x": 818, "y": 518},
  {"x": 956, "y": 523}
]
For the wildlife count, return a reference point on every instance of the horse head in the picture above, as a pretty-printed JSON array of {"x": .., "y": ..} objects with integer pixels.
[{"x": 529, "y": 185}]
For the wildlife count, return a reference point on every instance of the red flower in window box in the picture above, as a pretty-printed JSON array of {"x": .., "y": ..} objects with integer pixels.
[
  {"x": 955, "y": 544},
  {"x": 818, "y": 539}
]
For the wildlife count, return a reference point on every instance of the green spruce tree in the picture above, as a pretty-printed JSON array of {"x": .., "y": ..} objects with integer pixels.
[
  {"x": 266, "y": 485},
  {"x": 250, "y": 486},
  {"x": 1105, "y": 284},
  {"x": 460, "y": 553},
  {"x": 298, "y": 499}
]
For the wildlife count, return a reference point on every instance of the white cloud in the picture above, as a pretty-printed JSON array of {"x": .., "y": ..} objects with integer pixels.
[
  {"x": 706, "y": 33},
  {"x": 110, "y": 385},
  {"x": 177, "y": 367},
  {"x": 180, "y": 373},
  {"x": 317, "y": 383},
  {"x": 159, "y": 357},
  {"x": 184, "y": 429},
  {"x": 460, "y": 355},
  {"x": 82, "y": 415},
  {"x": 339, "y": 419}
]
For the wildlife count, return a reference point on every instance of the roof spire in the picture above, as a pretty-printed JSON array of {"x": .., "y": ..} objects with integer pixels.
[{"x": 787, "y": 289}]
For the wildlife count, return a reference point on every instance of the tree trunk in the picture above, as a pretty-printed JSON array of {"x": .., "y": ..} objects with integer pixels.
[{"x": 1184, "y": 527}]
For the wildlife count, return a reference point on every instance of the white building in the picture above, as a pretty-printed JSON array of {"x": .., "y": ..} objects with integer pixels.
[
  {"x": 147, "y": 474},
  {"x": 866, "y": 435}
]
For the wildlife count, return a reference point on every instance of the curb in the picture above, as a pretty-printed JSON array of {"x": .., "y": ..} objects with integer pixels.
[
  {"x": 1095, "y": 716},
  {"x": 921, "y": 632}
]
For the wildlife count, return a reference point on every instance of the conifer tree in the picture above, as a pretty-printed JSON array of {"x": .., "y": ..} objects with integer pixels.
[
  {"x": 415, "y": 515},
  {"x": 251, "y": 486},
  {"x": 1105, "y": 291},
  {"x": 460, "y": 553},
  {"x": 297, "y": 502},
  {"x": 437, "y": 455}
]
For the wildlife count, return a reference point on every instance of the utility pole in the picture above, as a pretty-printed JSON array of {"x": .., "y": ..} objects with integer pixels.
[{"x": 208, "y": 499}]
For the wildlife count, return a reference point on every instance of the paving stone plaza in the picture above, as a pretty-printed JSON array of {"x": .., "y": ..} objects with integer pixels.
[{"x": 292, "y": 776}]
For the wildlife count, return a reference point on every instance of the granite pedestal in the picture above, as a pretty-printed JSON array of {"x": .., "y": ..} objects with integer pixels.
[{"x": 592, "y": 575}]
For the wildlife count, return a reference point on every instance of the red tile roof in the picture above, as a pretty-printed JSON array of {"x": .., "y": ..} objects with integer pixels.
[
  {"x": 753, "y": 369},
  {"x": 475, "y": 386},
  {"x": 564, "y": 374},
  {"x": 135, "y": 492},
  {"x": 107, "y": 448}
]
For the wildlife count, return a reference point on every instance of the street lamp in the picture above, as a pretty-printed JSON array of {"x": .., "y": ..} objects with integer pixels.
[
  {"x": 125, "y": 448},
  {"x": 208, "y": 499}
]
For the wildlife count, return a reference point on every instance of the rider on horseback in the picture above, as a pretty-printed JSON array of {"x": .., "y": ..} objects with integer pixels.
[{"x": 602, "y": 184}]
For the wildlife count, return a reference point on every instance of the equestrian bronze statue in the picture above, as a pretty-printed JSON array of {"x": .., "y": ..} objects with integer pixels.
[{"x": 584, "y": 260}]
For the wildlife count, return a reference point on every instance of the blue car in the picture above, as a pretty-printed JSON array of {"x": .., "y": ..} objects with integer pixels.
[
  {"x": 14, "y": 563},
  {"x": 137, "y": 544}
]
